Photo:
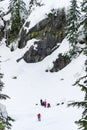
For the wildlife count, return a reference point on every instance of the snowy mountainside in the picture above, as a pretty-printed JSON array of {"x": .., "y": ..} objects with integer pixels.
[
  {"x": 32, "y": 83},
  {"x": 46, "y": 24},
  {"x": 27, "y": 83}
]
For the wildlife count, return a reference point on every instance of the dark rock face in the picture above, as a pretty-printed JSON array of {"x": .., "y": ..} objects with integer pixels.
[
  {"x": 42, "y": 50},
  {"x": 31, "y": 56},
  {"x": 60, "y": 63},
  {"x": 1, "y": 30},
  {"x": 27, "y": 24},
  {"x": 49, "y": 32},
  {"x": 5, "y": 31},
  {"x": 23, "y": 37},
  {"x": 22, "y": 41}
]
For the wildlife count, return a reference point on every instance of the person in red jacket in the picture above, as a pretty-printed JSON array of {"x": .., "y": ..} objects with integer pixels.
[
  {"x": 45, "y": 103},
  {"x": 39, "y": 116}
]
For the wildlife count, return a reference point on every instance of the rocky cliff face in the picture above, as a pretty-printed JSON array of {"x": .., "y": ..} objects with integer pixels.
[
  {"x": 1, "y": 29},
  {"x": 49, "y": 32},
  {"x": 60, "y": 63}
]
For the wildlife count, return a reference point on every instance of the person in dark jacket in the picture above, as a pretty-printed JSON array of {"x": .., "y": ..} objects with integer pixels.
[
  {"x": 39, "y": 116},
  {"x": 48, "y": 105},
  {"x": 41, "y": 102}
]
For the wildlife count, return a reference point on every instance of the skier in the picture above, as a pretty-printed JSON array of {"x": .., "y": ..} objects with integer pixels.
[{"x": 39, "y": 116}]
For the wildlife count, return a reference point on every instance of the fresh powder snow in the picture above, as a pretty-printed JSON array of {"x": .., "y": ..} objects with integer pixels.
[
  {"x": 32, "y": 83},
  {"x": 27, "y": 83}
]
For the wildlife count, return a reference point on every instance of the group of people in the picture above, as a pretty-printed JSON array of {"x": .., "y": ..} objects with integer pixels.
[{"x": 45, "y": 104}]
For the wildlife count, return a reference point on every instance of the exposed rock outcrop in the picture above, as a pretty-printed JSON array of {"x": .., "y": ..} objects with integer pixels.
[
  {"x": 22, "y": 41},
  {"x": 60, "y": 63},
  {"x": 49, "y": 33}
]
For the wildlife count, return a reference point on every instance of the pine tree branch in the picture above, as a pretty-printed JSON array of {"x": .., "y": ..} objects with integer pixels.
[
  {"x": 79, "y": 80},
  {"x": 3, "y": 96},
  {"x": 83, "y": 87},
  {"x": 84, "y": 112},
  {"x": 82, "y": 104}
]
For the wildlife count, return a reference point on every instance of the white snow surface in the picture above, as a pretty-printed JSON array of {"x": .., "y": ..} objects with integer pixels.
[{"x": 32, "y": 83}]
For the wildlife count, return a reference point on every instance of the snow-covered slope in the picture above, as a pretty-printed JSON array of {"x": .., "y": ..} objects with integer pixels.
[{"x": 26, "y": 84}]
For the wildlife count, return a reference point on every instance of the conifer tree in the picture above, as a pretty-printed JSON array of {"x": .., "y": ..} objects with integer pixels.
[
  {"x": 18, "y": 14},
  {"x": 84, "y": 10},
  {"x": 2, "y": 96},
  {"x": 83, "y": 121},
  {"x": 33, "y": 4},
  {"x": 82, "y": 83},
  {"x": 4, "y": 120},
  {"x": 73, "y": 16}
]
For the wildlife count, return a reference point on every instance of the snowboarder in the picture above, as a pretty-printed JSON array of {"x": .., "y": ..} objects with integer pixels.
[{"x": 39, "y": 116}]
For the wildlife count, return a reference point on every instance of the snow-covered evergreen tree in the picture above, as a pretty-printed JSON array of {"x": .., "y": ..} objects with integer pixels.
[
  {"x": 82, "y": 83},
  {"x": 18, "y": 14},
  {"x": 33, "y": 4},
  {"x": 84, "y": 10},
  {"x": 4, "y": 118},
  {"x": 83, "y": 121},
  {"x": 2, "y": 96},
  {"x": 72, "y": 25}
]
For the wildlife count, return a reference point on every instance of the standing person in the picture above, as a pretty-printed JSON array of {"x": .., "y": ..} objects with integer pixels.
[
  {"x": 41, "y": 102},
  {"x": 39, "y": 116},
  {"x": 48, "y": 105},
  {"x": 45, "y": 103}
]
